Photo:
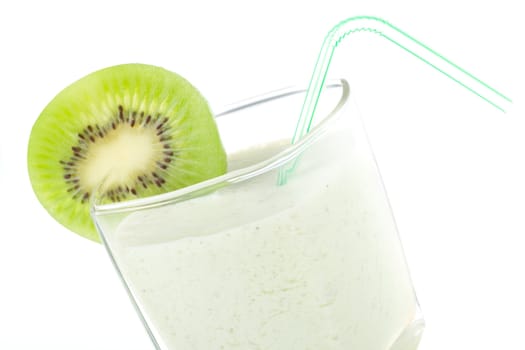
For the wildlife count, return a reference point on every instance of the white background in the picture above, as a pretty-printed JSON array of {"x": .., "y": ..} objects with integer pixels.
[{"x": 456, "y": 185}]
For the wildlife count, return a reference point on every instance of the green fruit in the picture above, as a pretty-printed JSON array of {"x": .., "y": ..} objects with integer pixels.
[{"x": 139, "y": 130}]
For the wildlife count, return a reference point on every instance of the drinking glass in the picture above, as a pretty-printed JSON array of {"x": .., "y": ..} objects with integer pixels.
[{"x": 248, "y": 260}]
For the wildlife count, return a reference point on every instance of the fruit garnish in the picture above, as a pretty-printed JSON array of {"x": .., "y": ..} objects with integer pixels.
[{"x": 136, "y": 129}]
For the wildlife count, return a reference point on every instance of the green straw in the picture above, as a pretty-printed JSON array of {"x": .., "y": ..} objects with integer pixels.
[{"x": 404, "y": 41}]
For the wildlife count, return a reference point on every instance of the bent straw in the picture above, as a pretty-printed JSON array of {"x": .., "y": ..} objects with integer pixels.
[{"x": 404, "y": 41}]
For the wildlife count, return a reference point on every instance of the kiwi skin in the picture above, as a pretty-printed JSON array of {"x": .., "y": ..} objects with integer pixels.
[{"x": 139, "y": 99}]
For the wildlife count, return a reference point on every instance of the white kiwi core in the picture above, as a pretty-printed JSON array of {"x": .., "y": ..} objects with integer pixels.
[{"x": 122, "y": 155}]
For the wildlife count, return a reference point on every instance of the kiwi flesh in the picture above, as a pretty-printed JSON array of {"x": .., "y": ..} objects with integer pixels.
[{"x": 133, "y": 130}]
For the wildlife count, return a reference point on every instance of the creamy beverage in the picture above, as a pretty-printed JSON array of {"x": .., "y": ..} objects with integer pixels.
[{"x": 315, "y": 264}]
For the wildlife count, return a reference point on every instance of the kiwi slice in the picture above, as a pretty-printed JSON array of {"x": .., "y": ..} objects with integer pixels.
[{"x": 139, "y": 130}]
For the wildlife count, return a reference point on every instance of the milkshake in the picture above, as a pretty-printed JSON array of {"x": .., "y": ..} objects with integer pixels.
[{"x": 312, "y": 264}]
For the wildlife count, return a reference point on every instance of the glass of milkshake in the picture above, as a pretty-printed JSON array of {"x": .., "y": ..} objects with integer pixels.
[{"x": 246, "y": 261}]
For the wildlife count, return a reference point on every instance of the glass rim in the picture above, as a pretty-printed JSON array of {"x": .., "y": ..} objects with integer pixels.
[{"x": 289, "y": 153}]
